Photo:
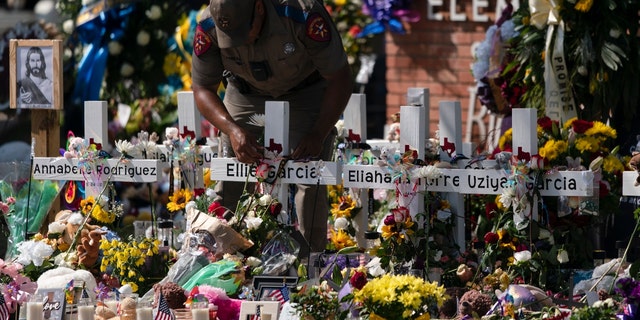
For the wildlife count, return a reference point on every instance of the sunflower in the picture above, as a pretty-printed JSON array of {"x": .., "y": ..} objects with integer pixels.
[
  {"x": 86, "y": 205},
  {"x": 179, "y": 200}
]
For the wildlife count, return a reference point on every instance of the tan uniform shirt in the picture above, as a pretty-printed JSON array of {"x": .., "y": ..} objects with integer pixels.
[{"x": 298, "y": 38}]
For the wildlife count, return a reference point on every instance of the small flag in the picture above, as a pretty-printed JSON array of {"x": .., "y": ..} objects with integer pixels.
[
  {"x": 281, "y": 295},
  {"x": 163, "y": 312},
  {"x": 4, "y": 310}
]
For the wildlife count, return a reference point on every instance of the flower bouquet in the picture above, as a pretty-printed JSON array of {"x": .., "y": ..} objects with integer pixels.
[
  {"x": 313, "y": 302},
  {"x": 399, "y": 296}
]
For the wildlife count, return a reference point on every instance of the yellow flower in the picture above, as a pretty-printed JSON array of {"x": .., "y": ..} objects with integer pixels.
[
  {"x": 179, "y": 200},
  {"x": 569, "y": 123},
  {"x": 587, "y": 144},
  {"x": 86, "y": 205},
  {"x": 207, "y": 177},
  {"x": 600, "y": 128},
  {"x": 341, "y": 239},
  {"x": 612, "y": 164},
  {"x": 343, "y": 208},
  {"x": 102, "y": 215},
  {"x": 505, "y": 139},
  {"x": 584, "y": 5},
  {"x": 552, "y": 149}
]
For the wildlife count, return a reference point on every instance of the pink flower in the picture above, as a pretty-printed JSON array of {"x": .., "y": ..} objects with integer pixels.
[
  {"x": 4, "y": 207},
  {"x": 11, "y": 200},
  {"x": 262, "y": 171},
  {"x": 400, "y": 214}
]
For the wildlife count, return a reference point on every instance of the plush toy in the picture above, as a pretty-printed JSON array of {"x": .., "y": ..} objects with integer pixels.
[
  {"x": 634, "y": 163},
  {"x": 474, "y": 303},
  {"x": 61, "y": 276},
  {"x": 89, "y": 247},
  {"x": 174, "y": 293},
  {"x": 228, "y": 308}
]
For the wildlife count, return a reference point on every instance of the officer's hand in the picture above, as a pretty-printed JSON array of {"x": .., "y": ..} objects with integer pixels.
[
  {"x": 245, "y": 146},
  {"x": 309, "y": 147}
]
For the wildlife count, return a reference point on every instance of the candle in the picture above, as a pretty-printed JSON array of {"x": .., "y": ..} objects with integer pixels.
[
  {"x": 144, "y": 313},
  {"x": 86, "y": 312},
  {"x": 34, "y": 310},
  {"x": 200, "y": 314}
]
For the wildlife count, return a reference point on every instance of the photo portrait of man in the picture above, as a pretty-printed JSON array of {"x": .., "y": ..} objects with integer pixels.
[{"x": 35, "y": 88}]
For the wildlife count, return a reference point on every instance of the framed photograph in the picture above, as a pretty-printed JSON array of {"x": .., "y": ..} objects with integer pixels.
[
  {"x": 35, "y": 74},
  {"x": 259, "y": 310},
  {"x": 265, "y": 286},
  {"x": 54, "y": 303}
]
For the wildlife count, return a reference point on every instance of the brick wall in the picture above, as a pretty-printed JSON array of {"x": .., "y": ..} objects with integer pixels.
[{"x": 436, "y": 55}]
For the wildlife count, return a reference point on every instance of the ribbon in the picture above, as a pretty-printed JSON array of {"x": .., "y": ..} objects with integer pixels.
[
  {"x": 559, "y": 103},
  {"x": 543, "y": 13},
  {"x": 97, "y": 31}
]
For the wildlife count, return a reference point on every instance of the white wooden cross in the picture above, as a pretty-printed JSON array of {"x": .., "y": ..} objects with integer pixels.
[
  {"x": 95, "y": 173},
  {"x": 276, "y": 139},
  {"x": 189, "y": 118},
  {"x": 492, "y": 180}
]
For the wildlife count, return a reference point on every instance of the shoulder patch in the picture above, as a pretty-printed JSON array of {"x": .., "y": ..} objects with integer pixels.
[
  {"x": 318, "y": 28},
  {"x": 201, "y": 41}
]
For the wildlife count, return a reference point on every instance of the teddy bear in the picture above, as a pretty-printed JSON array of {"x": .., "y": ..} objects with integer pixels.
[{"x": 634, "y": 163}]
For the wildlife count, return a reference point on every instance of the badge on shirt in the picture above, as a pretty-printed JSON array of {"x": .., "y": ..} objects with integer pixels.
[
  {"x": 201, "y": 41},
  {"x": 289, "y": 48},
  {"x": 318, "y": 28}
]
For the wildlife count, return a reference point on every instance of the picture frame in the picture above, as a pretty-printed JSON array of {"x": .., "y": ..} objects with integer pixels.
[
  {"x": 264, "y": 285},
  {"x": 259, "y": 310},
  {"x": 54, "y": 303},
  {"x": 35, "y": 69}
]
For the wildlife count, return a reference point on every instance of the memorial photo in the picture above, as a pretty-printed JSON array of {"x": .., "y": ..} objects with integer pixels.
[{"x": 36, "y": 79}]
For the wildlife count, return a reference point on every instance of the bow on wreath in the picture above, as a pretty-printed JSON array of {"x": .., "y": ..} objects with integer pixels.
[
  {"x": 98, "y": 24},
  {"x": 388, "y": 14},
  {"x": 559, "y": 103}
]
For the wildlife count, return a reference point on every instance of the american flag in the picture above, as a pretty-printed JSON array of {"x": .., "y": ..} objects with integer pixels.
[
  {"x": 4, "y": 310},
  {"x": 163, "y": 312},
  {"x": 281, "y": 295}
]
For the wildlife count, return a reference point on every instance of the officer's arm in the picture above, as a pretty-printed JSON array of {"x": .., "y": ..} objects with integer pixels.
[{"x": 211, "y": 107}]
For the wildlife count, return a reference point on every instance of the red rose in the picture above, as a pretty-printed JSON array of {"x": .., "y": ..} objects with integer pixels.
[
  {"x": 389, "y": 220},
  {"x": 275, "y": 208},
  {"x": 581, "y": 126},
  {"x": 216, "y": 208},
  {"x": 545, "y": 123},
  {"x": 198, "y": 192},
  {"x": 491, "y": 237},
  {"x": 400, "y": 214},
  {"x": 358, "y": 280},
  {"x": 262, "y": 171},
  {"x": 490, "y": 210}
]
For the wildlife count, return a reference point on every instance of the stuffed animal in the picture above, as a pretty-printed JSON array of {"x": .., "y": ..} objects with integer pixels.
[
  {"x": 89, "y": 247},
  {"x": 474, "y": 303},
  {"x": 228, "y": 308}
]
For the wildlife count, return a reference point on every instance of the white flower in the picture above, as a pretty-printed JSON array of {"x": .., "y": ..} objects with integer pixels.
[
  {"x": 340, "y": 128},
  {"x": 257, "y": 120},
  {"x": 190, "y": 206},
  {"x": 546, "y": 235},
  {"x": 507, "y": 197},
  {"x": 253, "y": 262},
  {"x": 75, "y": 219},
  {"x": 253, "y": 223},
  {"x": 429, "y": 172},
  {"x": 375, "y": 268},
  {"x": 56, "y": 227},
  {"x": 522, "y": 256},
  {"x": 341, "y": 223},
  {"x": 210, "y": 193},
  {"x": 126, "y": 69},
  {"x": 68, "y": 26},
  {"x": 438, "y": 255},
  {"x": 154, "y": 13},
  {"x": 125, "y": 147},
  {"x": 147, "y": 144},
  {"x": 563, "y": 256},
  {"x": 143, "y": 38},
  {"x": 115, "y": 48},
  {"x": 582, "y": 70},
  {"x": 172, "y": 133},
  {"x": 265, "y": 200},
  {"x": 33, "y": 251}
]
